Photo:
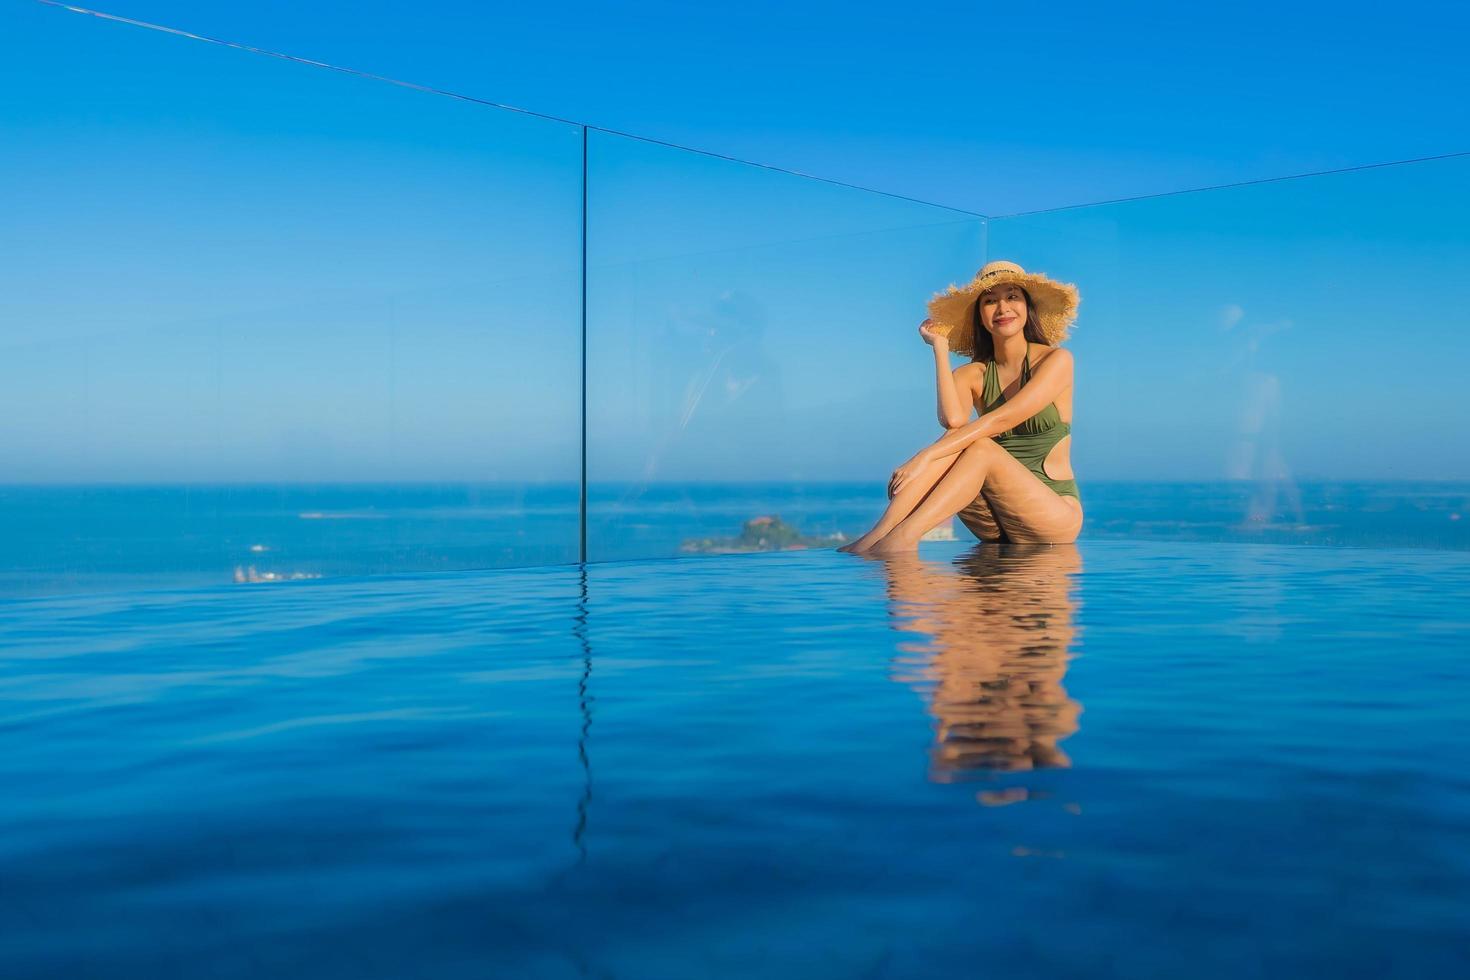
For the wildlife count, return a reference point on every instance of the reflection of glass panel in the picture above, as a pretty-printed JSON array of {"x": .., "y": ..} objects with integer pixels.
[
  {"x": 251, "y": 304},
  {"x": 752, "y": 346},
  {"x": 1270, "y": 342}
]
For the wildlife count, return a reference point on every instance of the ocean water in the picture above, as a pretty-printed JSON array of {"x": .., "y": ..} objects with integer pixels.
[
  {"x": 100, "y": 538},
  {"x": 1121, "y": 758}
]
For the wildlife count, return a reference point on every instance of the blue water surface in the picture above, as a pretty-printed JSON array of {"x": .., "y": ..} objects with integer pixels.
[
  {"x": 1119, "y": 758},
  {"x": 93, "y": 538}
]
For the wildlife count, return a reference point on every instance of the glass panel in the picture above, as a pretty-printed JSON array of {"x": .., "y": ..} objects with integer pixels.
[
  {"x": 260, "y": 320},
  {"x": 752, "y": 349},
  {"x": 1280, "y": 361}
]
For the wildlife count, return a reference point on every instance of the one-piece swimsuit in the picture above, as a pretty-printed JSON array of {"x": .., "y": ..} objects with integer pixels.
[{"x": 1031, "y": 440}]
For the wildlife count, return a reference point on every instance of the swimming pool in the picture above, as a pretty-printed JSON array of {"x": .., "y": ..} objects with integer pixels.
[{"x": 1121, "y": 758}]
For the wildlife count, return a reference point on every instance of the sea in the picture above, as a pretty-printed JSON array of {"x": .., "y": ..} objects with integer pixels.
[{"x": 69, "y": 538}]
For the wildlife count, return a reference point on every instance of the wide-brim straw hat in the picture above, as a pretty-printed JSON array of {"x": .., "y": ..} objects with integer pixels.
[{"x": 953, "y": 311}]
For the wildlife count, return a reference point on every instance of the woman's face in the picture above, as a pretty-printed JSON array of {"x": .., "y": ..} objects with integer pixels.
[{"x": 1003, "y": 310}]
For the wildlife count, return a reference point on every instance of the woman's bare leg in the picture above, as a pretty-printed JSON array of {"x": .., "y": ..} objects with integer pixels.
[
  {"x": 980, "y": 518},
  {"x": 902, "y": 504},
  {"x": 1026, "y": 509},
  {"x": 952, "y": 494}
]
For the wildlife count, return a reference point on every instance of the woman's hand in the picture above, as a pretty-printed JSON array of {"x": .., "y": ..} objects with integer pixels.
[
  {"x": 906, "y": 473},
  {"x": 931, "y": 335}
]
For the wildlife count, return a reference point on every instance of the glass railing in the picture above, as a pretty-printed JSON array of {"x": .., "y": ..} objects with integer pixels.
[
  {"x": 754, "y": 367},
  {"x": 1278, "y": 361},
  {"x": 261, "y": 321}
]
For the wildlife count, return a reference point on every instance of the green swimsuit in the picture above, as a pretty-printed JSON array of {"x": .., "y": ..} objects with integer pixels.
[{"x": 1032, "y": 439}]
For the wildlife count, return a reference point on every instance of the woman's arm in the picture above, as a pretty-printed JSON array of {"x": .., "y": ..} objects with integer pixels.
[
  {"x": 954, "y": 400},
  {"x": 1052, "y": 377}
]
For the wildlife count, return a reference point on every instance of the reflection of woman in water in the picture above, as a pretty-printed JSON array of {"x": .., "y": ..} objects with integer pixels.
[
  {"x": 1008, "y": 474},
  {"x": 1000, "y": 625}
]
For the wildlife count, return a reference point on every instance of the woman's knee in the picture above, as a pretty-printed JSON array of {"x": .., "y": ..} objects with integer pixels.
[
  {"x": 980, "y": 452},
  {"x": 982, "y": 447}
]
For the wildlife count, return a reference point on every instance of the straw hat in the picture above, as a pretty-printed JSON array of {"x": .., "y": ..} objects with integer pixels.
[{"x": 954, "y": 310}]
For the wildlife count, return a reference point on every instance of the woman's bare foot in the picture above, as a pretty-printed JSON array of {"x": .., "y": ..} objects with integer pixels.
[
  {"x": 860, "y": 545},
  {"x": 895, "y": 544}
]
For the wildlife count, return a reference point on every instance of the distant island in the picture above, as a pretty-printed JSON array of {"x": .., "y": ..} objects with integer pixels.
[{"x": 765, "y": 533}]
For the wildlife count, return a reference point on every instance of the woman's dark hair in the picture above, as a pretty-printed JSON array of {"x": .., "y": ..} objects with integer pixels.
[{"x": 985, "y": 344}]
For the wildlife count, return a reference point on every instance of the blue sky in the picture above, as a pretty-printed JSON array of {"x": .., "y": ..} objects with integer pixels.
[
  {"x": 220, "y": 266},
  {"x": 999, "y": 108}
]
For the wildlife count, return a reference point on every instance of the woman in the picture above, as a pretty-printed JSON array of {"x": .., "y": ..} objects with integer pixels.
[{"x": 1008, "y": 474}]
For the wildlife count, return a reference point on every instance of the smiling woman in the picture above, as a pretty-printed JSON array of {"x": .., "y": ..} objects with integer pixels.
[{"x": 1007, "y": 475}]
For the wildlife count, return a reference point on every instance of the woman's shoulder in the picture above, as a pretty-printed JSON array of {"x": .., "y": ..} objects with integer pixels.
[
  {"x": 1047, "y": 353},
  {"x": 968, "y": 370}
]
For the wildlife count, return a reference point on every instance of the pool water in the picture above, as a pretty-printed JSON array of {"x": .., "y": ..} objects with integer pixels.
[{"x": 1119, "y": 758}]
